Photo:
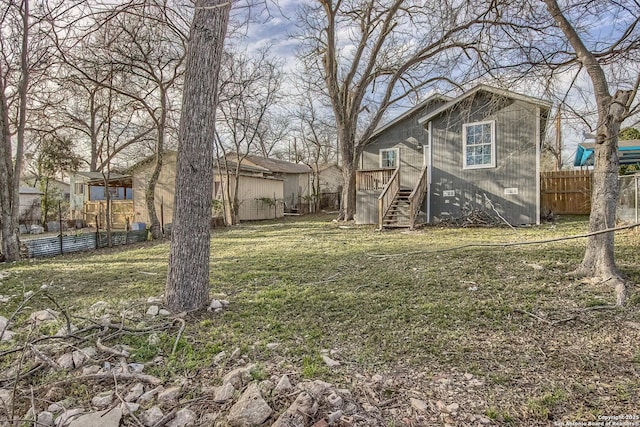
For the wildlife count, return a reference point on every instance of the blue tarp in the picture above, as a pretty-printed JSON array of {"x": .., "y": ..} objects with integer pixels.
[{"x": 628, "y": 153}]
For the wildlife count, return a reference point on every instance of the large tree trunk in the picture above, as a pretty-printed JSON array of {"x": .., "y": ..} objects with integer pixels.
[
  {"x": 10, "y": 244},
  {"x": 350, "y": 158},
  {"x": 10, "y": 169},
  {"x": 188, "y": 275},
  {"x": 150, "y": 198},
  {"x": 150, "y": 194},
  {"x": 348, "y": 207},
  {"x": 599, "y": 260}
]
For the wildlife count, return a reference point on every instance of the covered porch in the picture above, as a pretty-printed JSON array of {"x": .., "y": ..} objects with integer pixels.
[{"x": 95, "y": 193}]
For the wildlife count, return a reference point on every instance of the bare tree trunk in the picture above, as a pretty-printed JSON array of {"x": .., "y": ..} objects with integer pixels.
[
  {"x": 10, "y": 169},
  {"x": 188, "y": 275},
  {"x": 350, "y": 158},
  {"x": 107, "y": 207},
  {"x": 348, "y": 207},
  {"x": 150, "y": 198},
  {"x": 599, "y": 259},
  {"x": 22, "y": 116},
  {"x": 235, "y": 204},
  {"x": 150, "y": 193},
  {"x": 228, "y": 199},
  {"x": 10, "y": 245}
]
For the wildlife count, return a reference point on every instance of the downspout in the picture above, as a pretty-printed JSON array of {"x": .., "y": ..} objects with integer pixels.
[
  {"x": 538, "y": 143},
  {"x": 429, "y": 163}
]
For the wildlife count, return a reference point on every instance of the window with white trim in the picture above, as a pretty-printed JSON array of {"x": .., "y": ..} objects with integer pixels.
[
  {"x": 389, "y": 158},
  {"x": 479, "y": 145}
]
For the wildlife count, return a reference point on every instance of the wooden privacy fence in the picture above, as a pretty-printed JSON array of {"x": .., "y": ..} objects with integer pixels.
[{"x": 566, "y": 192}]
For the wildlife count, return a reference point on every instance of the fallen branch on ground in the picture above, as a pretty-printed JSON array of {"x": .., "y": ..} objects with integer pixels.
[
  {"x": 510, "y": 244},
  {"x": 106, "y": 376}
]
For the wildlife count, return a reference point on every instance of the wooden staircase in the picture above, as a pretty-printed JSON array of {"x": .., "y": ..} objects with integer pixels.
[
  {"x": 398, "y": 215},
  {"x": 399, "y": 207}
]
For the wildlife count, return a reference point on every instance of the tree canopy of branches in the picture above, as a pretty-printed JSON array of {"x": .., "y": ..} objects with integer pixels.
[
  {"x": 24, "y": 65},
  {"x": 250, "y": 87},
  {"x": 316, "y": 143},
  {"x": 53, "y": 158},
  {"x": 371, "y": 54}
]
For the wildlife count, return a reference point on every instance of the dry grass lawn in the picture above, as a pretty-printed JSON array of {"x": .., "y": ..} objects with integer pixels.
[{"x": 536, "y": 345}]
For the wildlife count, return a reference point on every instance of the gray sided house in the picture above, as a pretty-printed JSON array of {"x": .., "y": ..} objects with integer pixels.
[{"x": 477, "y": 154}]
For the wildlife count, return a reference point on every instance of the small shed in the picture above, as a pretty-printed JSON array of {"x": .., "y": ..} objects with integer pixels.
[
  {"x": 29, "y": 212},
  {"x": 296, "y": 177}
]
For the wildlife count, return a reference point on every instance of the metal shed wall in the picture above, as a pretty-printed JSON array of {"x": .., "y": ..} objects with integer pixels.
[{"x": 251, "y": 189}]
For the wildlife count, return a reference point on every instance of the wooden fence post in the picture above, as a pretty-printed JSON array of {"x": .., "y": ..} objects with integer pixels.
[{"x": 60, "y": 225}]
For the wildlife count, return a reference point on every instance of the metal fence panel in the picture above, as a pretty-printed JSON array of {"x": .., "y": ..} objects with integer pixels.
[
  {"x": 628, "y": 199},
  {"x": 50, "y": 246}
]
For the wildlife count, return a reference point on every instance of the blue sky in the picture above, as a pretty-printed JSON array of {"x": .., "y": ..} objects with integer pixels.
[{"x": 275, "y": 27}]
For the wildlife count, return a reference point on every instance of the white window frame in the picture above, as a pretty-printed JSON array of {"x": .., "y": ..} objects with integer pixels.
[
  {"x": 396, "y": 150},
  {"x": 493, "y": 145}
]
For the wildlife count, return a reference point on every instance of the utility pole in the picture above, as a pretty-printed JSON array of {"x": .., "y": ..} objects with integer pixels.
[{"x": 558, "y": 153}]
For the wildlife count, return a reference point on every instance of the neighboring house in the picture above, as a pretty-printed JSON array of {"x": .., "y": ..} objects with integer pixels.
[
  {"x": 256, "y": 187},
  {"x": 64, "y": 188},
  {"x": 296, "y": 178},
  {"x": 330, "y": 180},
  {"x": 447, "y": 158},
  {"x": 88, "y": 198},
  {"x": 29, "y": 199}
]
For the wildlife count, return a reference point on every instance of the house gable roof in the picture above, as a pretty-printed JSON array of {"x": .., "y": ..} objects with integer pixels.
[
  {"x": 229, "y": 163},
  {"x": 546, "y": 105},
  {"x": 433, "y": 98},
  {"x": 29, "y": 190},
  {"x": 277, "y": 166},
  {"x": 97, "y": 178}
]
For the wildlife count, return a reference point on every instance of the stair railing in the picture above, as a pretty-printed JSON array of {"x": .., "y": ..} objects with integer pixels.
[
  {"x": 388, "y": 195},
  {"x": 417, "y": 197}
]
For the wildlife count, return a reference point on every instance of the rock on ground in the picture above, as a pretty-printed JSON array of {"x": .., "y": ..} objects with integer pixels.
[
  {"x": 136, "y": 391},
  {"x": 47, "y": 315},
  {"x": 170, "y": 394},
  {"x": 103, "y": 399},
  {"x": 184, "y": 418},
  {"x": 250, "y": 410},
  {"x": 330, "y": 362},
  {"x": 45, "y": 419},
  {"x": 69, "y": 415},
  {"x": 296, "y": 415},
  {"x": 224, "y": 393},
  {"x": 6, "y": 398},
  {"x": 151, "y": 416},
  {"x": 107, "y": 418},
  {"x": 283, "y": 384},
  {"x": 238, "y": 377}
]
